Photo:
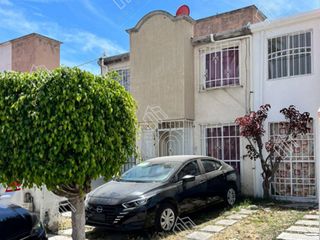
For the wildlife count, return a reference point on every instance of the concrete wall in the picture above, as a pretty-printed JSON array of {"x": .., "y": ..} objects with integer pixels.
[
  {"x": 301, "y": 91},
  {"x": 5, "y": 57},
  {"x": 35, "y": 51},
  {"x": 223, "y": 105},
  {"x": 161, "y": 65}
]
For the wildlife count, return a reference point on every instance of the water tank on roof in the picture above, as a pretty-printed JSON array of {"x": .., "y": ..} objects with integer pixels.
[{"x": 184, "y": 10}]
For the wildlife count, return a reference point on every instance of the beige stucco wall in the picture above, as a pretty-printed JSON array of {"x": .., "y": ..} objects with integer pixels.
[
  {"x": 161, "y": 63},
  {"x": 223, "y": 105},
  {"x": 5, "y": 57}
]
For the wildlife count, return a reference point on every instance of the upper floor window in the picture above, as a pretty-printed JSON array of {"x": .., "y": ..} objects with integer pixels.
[
  {"x": 124, "y": 78},
  {"x": 289, "y": 55},
  {"x": 222, "y": 68}
]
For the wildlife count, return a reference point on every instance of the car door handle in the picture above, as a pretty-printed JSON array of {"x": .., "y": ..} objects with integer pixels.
[{"x": 202, "y": 181}]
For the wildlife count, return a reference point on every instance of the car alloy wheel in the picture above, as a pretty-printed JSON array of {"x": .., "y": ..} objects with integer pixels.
[
  {"x": 231, "y": 196},
  {"x": 166, "y": 217}
]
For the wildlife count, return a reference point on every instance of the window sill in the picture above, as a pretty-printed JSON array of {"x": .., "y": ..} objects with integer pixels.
[
  {"x": 291, "y": 77},
  {"x": 222, "y": 87}
]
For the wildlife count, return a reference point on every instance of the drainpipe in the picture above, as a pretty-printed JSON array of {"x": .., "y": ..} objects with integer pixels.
[{"x": 249, "y": 106}]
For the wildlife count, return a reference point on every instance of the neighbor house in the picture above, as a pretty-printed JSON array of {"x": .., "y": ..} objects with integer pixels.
[
  {"x": 285, "y": 54},
  {"x": 191, "y": 80},
  {"x": 29, "y": 52}
]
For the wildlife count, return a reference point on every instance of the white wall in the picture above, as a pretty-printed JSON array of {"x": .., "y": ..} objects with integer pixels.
[
  {"x": 5, "y": 57},
  {"x": 301, "y": 91}
]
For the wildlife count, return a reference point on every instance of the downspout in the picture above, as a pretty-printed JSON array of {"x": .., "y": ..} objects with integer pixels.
[{"x": 250, "y": 108}]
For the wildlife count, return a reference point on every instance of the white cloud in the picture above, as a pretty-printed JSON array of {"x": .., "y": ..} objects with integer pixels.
[
  {"x": 91, "y": 42},
  {"x": 89, "y": 5},
  {"x": 5, "y": 2},
  {"x": 78, "y": 43}
]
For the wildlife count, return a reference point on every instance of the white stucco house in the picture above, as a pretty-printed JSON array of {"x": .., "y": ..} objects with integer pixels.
[
  {"x": 223, "y": 67},
  {"x": 285, "y": 71}
]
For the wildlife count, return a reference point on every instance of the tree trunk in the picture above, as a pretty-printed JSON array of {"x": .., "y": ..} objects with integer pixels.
[
  {"x": 266, "y": 188},
  {"x": 78, "y": 219}
]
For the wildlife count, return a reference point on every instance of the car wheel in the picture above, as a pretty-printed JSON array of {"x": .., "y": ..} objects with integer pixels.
[
  {"x": 166, "y": 217},
  {"x": 230, "y": 196}
]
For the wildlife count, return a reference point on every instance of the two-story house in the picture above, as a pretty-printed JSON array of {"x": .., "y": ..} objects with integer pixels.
[
  {"x": 191, "y": 80},
  {"x": 285, "y": 54}
]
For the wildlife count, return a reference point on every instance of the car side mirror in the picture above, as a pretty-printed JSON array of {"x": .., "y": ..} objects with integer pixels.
[{"x": 188, "y": 178}]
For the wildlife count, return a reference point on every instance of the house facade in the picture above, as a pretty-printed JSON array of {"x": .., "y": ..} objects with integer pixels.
[
  {"x": 29, "y": 52},
  {"x": 285, "y": 72},
  {"x": 191, "y": 80}
]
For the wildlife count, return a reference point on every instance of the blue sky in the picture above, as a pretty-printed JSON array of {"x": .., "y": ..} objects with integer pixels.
[{"x": 89, "y": 28}]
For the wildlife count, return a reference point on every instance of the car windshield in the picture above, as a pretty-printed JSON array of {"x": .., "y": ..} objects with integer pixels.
[{"x": 150, "y": 172}]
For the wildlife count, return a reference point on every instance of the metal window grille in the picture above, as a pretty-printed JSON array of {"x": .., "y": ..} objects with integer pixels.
[
  {"x": 295, "y": 177},
  {"x": 290, "y": 55},
  {"x": 220, "y": 65},
  {"x": 129, "y": 164},
  {"x": 223, "y": 143},
  {"x": 124, "y": 78},
  {"x": 168, "y": 138},
  {"x": 175, "y": 138}
]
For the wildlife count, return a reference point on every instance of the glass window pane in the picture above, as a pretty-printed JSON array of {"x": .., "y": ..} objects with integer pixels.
[
  {"x": 308, "y": 39},
  {"x": 303, "y": 69},
  {"x": 285, "y": 66},
  {"x": 302, "y": 40},
  {"x": 308, "y": 59},
  {"x": 279, "y": 69},
  {"x": 269, "y": 46},
  {"x": 284, "y": 43},
  {"x": 296, "y": 41},
  {"x": 296, "y": 65}
]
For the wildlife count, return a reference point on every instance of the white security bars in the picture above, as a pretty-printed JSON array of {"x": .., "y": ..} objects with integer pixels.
[
  {"x": 290, "y": 55},
  {"x": 219, "y": 65},
  {"x": 295, "y": 177},
  {"x": 124, "y": 75}
]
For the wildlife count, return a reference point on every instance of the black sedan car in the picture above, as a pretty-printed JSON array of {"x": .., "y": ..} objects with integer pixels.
[
  {"x": 17, "y": 223},
  {"x": 155, "y": 192}
]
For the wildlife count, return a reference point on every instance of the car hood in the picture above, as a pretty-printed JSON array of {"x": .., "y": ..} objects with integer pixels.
[
  {"x": 14, "y": 221},
  {"x": 115, "y": 192}
]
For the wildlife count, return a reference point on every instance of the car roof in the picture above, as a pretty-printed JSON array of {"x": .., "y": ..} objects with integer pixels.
[{"x": 177, "y": 158}]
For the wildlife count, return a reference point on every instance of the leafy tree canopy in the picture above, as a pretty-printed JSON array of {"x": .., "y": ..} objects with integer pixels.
[{"x": 63, "y": 128}]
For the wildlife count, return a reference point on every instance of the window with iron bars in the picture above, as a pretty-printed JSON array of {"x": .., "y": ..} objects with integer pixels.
[
  {"x": 223, "y": 143},
  {"x": 290, "y": 55},
  {"x": 222, "y": 67},
  {"x": 124, "y": 78},
  {"x": 296, "y": 176}
]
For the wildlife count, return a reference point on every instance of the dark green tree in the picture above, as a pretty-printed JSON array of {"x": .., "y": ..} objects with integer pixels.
[{"x": 62, "y": 129}]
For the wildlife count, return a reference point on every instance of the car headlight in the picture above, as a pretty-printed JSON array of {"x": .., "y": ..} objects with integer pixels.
[{"x": 136, "y": 203}]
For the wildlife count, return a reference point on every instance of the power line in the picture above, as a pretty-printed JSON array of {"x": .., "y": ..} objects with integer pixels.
[{"x": 85, "y": 63}]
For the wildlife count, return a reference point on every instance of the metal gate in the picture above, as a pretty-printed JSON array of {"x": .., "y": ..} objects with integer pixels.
[{"x": 167, "y": 139}]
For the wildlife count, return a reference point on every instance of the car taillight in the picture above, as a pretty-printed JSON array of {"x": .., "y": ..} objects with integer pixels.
[{"x": 13, "y": 187}]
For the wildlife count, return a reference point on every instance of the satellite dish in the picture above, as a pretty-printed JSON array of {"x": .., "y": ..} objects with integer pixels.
[{"x": 184, "y": 10}]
